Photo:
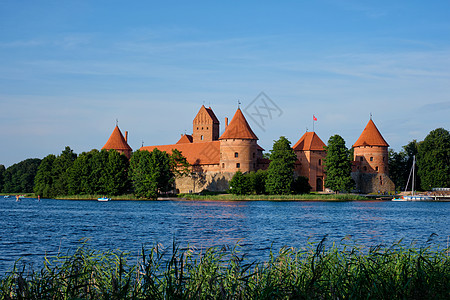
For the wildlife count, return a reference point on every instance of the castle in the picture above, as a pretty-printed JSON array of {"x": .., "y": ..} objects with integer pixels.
[{"x": 215, "y": 158}]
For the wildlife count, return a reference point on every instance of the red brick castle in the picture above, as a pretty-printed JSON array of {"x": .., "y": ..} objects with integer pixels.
[{"x": 215, "y": 159}]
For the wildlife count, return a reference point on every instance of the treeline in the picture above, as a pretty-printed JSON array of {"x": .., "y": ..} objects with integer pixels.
[
  {"x": 432, "y": 162},
  {"x": 19, "y": 178},
  {"x": 107, "y": 172}
]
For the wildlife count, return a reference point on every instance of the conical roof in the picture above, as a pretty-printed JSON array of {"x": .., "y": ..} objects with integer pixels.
[
  {"x": 116, "y": 141},
  {"x": 238, "y": 128},
  {"x": 309, "y": 141},
  {"x": 371, "y": 137}
]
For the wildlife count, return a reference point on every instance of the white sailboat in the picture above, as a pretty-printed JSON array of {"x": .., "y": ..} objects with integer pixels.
[{"x": 413, "y": 197}]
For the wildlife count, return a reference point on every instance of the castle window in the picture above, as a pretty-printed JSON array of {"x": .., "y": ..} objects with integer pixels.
[
  {"x": 376, "y": 169},
  {"x": 223, "y": 165},
  {"x": 361, "y": 158},
  {"x": 197, "y": 128},
  {"x": 381, "y": 180},
  {"x": 202, "y": 128},
  {"x": 371, "y": 158},
  {"x": 201, "y": 137},
  {"x": 320, "y": 162},
  {"x": 236, "y": 154},
  {"x": 238, "y": 165},
  {"x": 254, "y": 166},
  {"x": 365, "y": 168}
]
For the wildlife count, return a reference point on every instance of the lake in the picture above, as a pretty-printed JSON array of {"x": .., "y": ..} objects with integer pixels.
[{"x": 31, "y": 229}]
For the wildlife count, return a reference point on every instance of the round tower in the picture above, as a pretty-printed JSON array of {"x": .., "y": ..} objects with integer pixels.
[
  {"x": 371, "y": 151},
  {"x": 238, "y": 146}
]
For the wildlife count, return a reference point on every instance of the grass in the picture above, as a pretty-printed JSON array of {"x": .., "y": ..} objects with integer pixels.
[
  {"x": 316, "y": 272},
  {"x": 304, "y": 197}
]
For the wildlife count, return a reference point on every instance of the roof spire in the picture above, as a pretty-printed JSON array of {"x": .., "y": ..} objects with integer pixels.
[
  {"x": 117, "y": 122},
  {"x": 239, "y": 103},
  {"x": 371, "y": 115}
]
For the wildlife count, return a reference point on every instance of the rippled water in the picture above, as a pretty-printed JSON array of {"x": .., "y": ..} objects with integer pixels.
[{"x": 31, "y": 229}]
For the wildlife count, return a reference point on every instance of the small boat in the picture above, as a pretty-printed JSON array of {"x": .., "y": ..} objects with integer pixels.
[
  {"x": 103, "y": 199},
  {"x": 413, "y": 197},
  {"x": 6, "y": 196}
]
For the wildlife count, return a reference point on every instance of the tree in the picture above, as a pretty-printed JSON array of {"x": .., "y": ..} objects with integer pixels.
[
  {"x": 280, "y": 174},
  {"x": 179, "y": 164},
  {"x": 433, "y": 159},
  {"x": 151, "y": 173},
  {"x": 43, "y": 181},
  {"x": 240, "y": 184},
  {"x": 116, "y": 173},
  {"x": 2, "y": 177},
  {"x": 397, "y": 168},
  {"x": 301, "y": 185},
  {"x": 258, "y": 181},
  {"x": 60, "y": 171},
  {"x": 338, "y": 166},
  {"x": 19, "y": 178}
]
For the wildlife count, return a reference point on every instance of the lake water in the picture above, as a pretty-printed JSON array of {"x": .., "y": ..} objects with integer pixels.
[{"x": 30, "y": 229}]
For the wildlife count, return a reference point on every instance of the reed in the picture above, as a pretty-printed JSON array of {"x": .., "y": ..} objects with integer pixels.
[{"x": 344, "y": 271}]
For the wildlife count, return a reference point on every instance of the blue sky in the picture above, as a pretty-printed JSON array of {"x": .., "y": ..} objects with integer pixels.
[{"x": 69, "y": 69}]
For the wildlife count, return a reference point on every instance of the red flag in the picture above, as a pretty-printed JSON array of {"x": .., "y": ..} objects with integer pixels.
[{"x": 314, "y": 118}]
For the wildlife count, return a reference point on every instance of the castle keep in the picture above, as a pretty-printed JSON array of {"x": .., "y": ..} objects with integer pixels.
[{"x": 215, "y": 159}]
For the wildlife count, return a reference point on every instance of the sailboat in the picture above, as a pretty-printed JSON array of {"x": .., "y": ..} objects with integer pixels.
[{"x": 413, "y": 197}]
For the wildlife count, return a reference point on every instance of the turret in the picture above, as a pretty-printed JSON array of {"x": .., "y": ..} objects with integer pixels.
[
  {"x": 118, "y": 142},
  {"x": 371, "y": 151},
  {"x": 238, "y": 147}
]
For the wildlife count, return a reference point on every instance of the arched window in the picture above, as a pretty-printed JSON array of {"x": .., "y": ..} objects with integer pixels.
[
  {"x": 201, "y": 137},
  {"x": 371, "y": 158},
  {"x": 236, "y": 154}
]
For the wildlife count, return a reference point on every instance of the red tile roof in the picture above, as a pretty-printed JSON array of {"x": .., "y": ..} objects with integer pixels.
[
  {"x": 309, "y": 141},
  {"x": 371, "y": 137},
  {"x": 238, "y": 128},
  {"x": 117, "y": 141},
  {"x": 202, "y": 153},
  {"x": 185, "y": 139},
  {"x": 212, "y": 115}
]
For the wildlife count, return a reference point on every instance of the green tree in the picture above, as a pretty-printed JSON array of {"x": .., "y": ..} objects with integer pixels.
[
  {"x": 60, "y": 171},
  {"x": 301, "y": 185},
  {"x": 338, "y": 166},
  {"x": 19, "y": 178},
  {"x": 179, "y": 164},
  {"x": 280, "y": 174},
  {"x": 116, "y": 173},
  {"x": 240, "y": 184},
  {"x": 151, "y": 173},
  {"x": 258, "y": 181},
  {"x": 2, "y": 177},
  {"x": 43, "y": 181},
  {"x": 433, "y": 159},
  {"x": 397, "y": 168}
]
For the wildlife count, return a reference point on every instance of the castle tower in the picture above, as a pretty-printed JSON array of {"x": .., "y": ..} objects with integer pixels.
[
  {"x": 311, "y": 154},
  {"x": 238, "y": 146},
  {"x": 205, "y": 126},
  {"x": 370, "y": 168},
  {"x": 371, "y": 151},
  {"x": 118, "y": 142}
]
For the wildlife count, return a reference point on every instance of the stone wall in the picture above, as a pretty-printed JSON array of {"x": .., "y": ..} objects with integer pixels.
[
  {"x": 197, "y": 182},
  {"x": 373, "y": 183}
]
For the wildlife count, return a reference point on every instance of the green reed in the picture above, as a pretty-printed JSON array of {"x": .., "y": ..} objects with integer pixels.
[{"x": 343, "y": 271}]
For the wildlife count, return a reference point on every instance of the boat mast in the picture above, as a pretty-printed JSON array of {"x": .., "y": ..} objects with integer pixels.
[{"x": 413, "y": 171}]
